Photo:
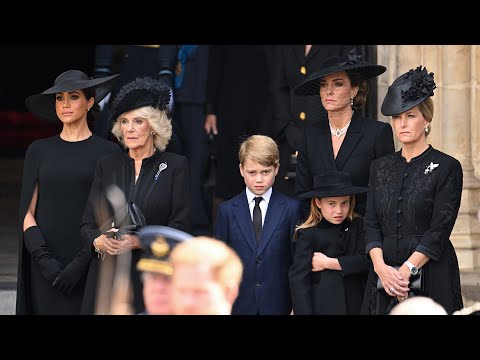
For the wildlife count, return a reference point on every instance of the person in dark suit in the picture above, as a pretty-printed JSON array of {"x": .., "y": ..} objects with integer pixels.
[
  {"x": 343, "y": 139},
  {"x": 292, "y": 64},
  {"x": 157, "y": 182},
  {"x": 189, "y": 138},
  {"x": 330, "y": 268},
  {"x": 131, "y": 61},
  {"x": 237, "y": 106},
  {"x": 413, "y": 201},
  {"x": 259, "y": 224},
  {"x": 57, "y": 175}
]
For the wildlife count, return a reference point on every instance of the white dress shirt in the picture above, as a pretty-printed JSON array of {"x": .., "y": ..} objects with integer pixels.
[{"x": 263, "y": 204}]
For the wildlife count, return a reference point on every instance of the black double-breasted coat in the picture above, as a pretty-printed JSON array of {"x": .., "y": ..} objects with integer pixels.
[
  {"x": 329, "y": 292},
  {"x": 412, "y": 206}
]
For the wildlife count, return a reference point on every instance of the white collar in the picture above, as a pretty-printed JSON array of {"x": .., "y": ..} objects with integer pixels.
[{"x": 266, "y": 195}]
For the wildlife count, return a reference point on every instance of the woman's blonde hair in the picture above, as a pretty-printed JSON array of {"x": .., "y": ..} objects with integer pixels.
[
  {"x": 158, "y": 121},
  {"x": 426, "y": 108},
  {"x": 315, "y": 215}
]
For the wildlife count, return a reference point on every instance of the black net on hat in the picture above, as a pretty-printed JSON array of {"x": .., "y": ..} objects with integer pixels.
[
  {"x": 305, "y": 97},
  {"x": 141, "y": 92}
]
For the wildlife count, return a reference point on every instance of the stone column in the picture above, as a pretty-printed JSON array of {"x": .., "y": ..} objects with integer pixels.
[{"x": 455, "y": 129}]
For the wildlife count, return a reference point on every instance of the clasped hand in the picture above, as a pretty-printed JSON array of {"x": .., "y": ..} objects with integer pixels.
[
  {"x": 113, "y": 246},
  {"x": 395, "y": 282}
]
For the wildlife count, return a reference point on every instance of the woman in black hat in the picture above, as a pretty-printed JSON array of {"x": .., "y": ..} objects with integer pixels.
[
  {"x": 412, "y": 205},
  {"x": 330, "y": 267},
  {"x": 154, "y": 180},
  {"x": 58, "y": 172},
  {"x": 344, "y": 140}
]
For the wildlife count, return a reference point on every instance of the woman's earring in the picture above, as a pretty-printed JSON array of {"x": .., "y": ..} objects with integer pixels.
[
  {"x": 88, "y": 109},
  {"x": 426, "y": 130},
  {"x": 351, "y": 101},
  {"x": 152, "y": 133}
]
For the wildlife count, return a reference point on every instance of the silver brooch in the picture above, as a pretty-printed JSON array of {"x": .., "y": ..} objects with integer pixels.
[
  {"x": 161, "y": 167},
  {"x": 430, "y": 167},
  {"x": 346, "y": 229}
]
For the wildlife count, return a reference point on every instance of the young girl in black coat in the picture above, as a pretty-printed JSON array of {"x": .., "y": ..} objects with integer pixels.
[{"x": 330, "y": 266}]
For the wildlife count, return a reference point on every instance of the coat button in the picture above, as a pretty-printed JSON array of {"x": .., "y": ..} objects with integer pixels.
[
  {"x": 399, "y": 198},
  {"x": 399, "y": 225},
  {"x": 258, "y": 284},
  {"x": 303, "y": 70},
  {"x": 259, "y": 260},
  {"x": 405, "y": 175},
  {"x": 399, "y": 211},
  {"x": 302, "y": 116}
]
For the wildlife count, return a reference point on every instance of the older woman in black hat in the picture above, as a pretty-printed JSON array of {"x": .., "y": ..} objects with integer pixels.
[
  {"x": 343, "y": 140},
  {"x": 412, "y": 205},
  {"x": 153, "y": 182},
  {"x": 330, "y": 267},
  {"x": 58, "y": 172}
]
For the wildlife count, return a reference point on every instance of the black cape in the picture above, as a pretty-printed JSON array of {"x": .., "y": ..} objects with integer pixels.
[{"x": 64, "y": 171}]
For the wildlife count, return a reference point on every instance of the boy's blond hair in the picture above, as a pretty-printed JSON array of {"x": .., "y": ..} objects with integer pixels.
[{"x": 261, "y": 149}]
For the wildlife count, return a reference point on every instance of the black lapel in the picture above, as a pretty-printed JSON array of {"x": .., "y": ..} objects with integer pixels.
[
  {"x": 244, "y": 220},
  {"x": 352, "y": 137},
  {"x": 274, "y": 213},
  {"x": 325, "y": 145}
]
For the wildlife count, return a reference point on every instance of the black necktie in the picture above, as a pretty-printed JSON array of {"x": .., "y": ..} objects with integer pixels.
[{"x": 257, "y": 218}]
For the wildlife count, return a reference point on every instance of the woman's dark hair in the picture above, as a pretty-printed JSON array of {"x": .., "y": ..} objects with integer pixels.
[
  {"x": 89, "y": 93},
  {"x": 356, "y": 80}
]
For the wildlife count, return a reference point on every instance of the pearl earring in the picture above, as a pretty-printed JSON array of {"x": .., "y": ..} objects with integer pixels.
[
  {"x": 152, "y": 133},
  {"x": 426, "y": 130},
  {"x": 351, "y": 101}
]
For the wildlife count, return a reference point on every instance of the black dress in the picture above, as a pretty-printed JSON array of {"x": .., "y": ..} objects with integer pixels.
[
  {"x": 329, "y": 292},
  {"x": 412, "y": 206},
  {"x": 64, "y": 172},
  {"x": 163, "y": 201}
]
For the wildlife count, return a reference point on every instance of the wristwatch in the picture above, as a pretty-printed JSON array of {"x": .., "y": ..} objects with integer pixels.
[{"x": 413, "y": 268}]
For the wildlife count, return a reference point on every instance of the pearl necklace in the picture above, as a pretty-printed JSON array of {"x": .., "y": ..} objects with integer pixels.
[{"x": 340, "y": 132}]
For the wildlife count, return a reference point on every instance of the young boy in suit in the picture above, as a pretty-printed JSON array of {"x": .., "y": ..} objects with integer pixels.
[{"x": 259, "y": 224}]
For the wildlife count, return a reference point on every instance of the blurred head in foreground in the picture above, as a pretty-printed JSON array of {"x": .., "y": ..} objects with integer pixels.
[
  {"x": 206, "y": 277},
  {"x": 418, "y": 305},
  {"x": 158, "y": 242}
]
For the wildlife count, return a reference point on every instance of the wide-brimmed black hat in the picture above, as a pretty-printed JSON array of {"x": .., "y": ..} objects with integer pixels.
[
  {"x": 331, "y": 184},
  {"x": 158, "y": 242},
  {"x": 407, "y": 91},
  {"x": 140, "y": 92},
  {"x": 305, "y": 97},
  {"x": 43, "y": 105}
]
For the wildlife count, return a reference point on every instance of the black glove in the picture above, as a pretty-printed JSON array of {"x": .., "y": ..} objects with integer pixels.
[
  {"x": 35, "y": 243},
  {"x": 73, "y": 272}
]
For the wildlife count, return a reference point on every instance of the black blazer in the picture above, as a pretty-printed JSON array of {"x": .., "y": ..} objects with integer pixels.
[{"x": 365, "y": 140}]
